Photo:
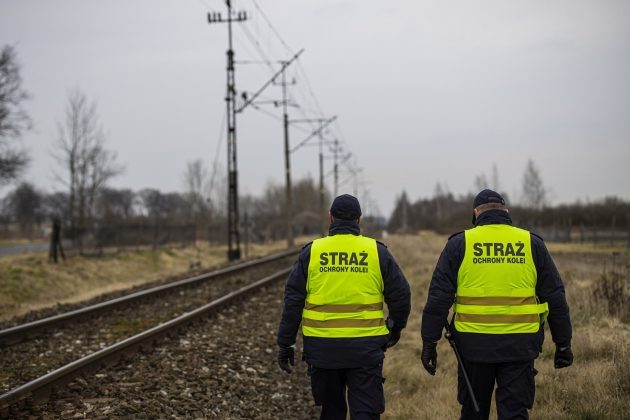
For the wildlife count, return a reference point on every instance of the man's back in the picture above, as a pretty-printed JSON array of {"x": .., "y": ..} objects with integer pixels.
[
  {"x": 503, "y": 282},
  {"x": 337, "y": 351},
  {"x": 336, "y": 290}
]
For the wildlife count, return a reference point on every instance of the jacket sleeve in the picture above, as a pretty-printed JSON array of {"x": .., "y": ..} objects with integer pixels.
[
  {"x": 294, "y": 299},
  {"x": 442, "y": 289},
  {"x": 549, "y": 288},
  {"x": 396, "y": 288}
]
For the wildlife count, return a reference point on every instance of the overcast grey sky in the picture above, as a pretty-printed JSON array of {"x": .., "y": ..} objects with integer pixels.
[{"x": 425, "y": 91}]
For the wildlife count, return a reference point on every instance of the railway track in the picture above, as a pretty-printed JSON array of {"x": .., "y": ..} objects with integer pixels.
[
  {"x": 18, "y": 333},
  {"x": 221, "y": 367},
  {"x": 90, "y": 334}
]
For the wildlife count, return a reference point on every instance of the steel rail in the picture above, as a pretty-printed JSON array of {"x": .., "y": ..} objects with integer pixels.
[
  {"x": 18, "y": 333},
  {"x": 39, "y": 390}
]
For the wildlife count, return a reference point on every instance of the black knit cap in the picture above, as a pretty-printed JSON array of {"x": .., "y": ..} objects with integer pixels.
[
  {"x": 486, "y": 197},
  {"x": 345, "y": 207}
]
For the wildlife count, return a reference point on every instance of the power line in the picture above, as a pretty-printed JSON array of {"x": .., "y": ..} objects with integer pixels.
[
  {"x": 290, "y": 50},
  {"x": 309, "y": 87},
  {"x": 276, "y": 117},
  {"x": 273, "y": 28},
  {"x": 301, "y": 70},
  {"x": 258, "y": 47},
  {"x": 243, "y": 44}
]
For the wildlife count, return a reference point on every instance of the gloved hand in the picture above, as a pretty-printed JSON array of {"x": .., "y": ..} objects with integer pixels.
[
  {"x": 286, "y": 356},
  {"x": 563, "y": 357},
  {"x": 429, "y": 356},
  {"x": 394, "y": 336}
]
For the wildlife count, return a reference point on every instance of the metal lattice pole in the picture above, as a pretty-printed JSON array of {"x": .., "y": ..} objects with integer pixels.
[{"x": 234, "y": 242}]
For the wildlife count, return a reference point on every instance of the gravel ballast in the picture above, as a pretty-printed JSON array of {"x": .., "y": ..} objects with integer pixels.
[
  {"x": 224, "y": 367},
  {"x": 28, "y": 360}
]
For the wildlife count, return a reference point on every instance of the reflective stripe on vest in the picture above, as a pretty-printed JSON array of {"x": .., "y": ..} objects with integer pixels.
[
  {"x": 496, "y": 283},
  {"x": 344, "y": 289}
]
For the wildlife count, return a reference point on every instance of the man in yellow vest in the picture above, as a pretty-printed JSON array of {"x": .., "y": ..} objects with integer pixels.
[
  {"x": 504, "y": 286},
  {"x": 337, "y": 290}
]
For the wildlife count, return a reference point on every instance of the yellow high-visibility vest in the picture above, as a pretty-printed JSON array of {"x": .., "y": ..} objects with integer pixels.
[
  {"x": 496, "y": 283},
  {"x": 344, "y": 289}
]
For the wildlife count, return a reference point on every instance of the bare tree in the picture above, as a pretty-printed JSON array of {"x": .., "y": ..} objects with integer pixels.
[
  {"x": 481, "y": 182},
  {"x": 217, "y": 190},
  {"x": 152, "y": 203},
  {"x": 495, "y": 177},
  {"x": 115, "y": 205},
  {"x": 439, "y": 194},
  {"x": 25, "y": 204},
  {"x": 13, "y": 117},
  {"x": 196, "y": 182},
  {"x": 196, "y": 177},
  {"x": 534, "y": 192},
  {"x": 401, "y": 216},
  {"x": 82, "y": 154},
  {"x": 101, "y": 168},
  {"x": 55, "y": 205},
  {"x": 163, "y": 207}
]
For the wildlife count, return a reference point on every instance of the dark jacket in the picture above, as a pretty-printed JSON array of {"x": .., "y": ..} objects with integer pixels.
[
  {"x": 340, "y": 353},
  {"x": 495, "y": 348}
]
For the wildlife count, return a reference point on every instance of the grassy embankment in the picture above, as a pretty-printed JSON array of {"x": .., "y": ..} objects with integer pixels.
[
  {"x": 597, "y": 386},
  {"x": 29, "y": 281}
]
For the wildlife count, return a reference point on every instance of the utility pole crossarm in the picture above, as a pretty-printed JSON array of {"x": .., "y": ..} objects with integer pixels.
[
  {"x": 216, "y": 17},
  {"x": 315, "y": 132},
  {"x": 270, "y": 81}
]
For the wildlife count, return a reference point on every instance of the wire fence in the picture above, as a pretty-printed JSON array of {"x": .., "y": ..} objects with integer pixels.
[
  {"x": 611, "y": 235},
  {"x": 140, "y": 234}
]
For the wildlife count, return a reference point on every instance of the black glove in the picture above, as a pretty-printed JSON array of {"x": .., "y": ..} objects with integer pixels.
[
  {"x": 286, "y": 356},
  {"x": 429, "y": 356},
  {"x": 563, "y": 357},
  {"x": 394, "y": 336}
]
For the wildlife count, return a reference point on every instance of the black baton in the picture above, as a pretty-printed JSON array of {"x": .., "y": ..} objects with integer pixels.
[{"x": 451, "y": 341}]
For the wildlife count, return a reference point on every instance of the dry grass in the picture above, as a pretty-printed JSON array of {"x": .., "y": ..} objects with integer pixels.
[
  {"x": 597, "y": 386},
  {"x": 11, "y": 242},
  {"x": 29, "y": 281}
]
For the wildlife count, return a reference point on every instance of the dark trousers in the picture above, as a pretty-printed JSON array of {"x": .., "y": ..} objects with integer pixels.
[
  {"x": 364, "y": 387},
  {"x": 514, "y": 394}
]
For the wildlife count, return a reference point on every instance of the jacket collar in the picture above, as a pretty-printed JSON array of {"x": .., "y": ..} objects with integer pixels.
[
  {"x": 341, "y": 227},
  {"x": 494, "y": 217}
]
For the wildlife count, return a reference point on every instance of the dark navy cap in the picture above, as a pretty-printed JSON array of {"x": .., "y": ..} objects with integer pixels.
[
  {"x": 346, "y": 207},
  {"x": 486, "y": 197}
]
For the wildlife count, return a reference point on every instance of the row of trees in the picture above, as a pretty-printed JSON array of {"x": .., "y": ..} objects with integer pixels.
[
  {"x": 445, "y": 212},
  {"x": 534, "y": 193},
  {"x": 120, "y": 210}
]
